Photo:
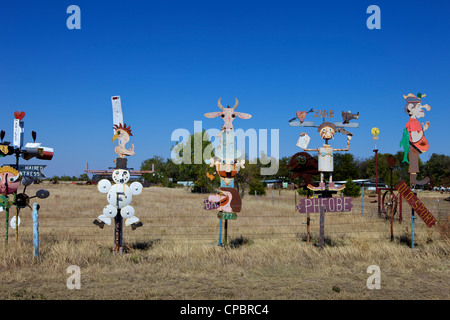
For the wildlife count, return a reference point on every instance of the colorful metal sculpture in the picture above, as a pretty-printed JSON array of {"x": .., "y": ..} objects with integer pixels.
[
  {"x": 119, "y": 195},
  {"x": 123, "y": 134},
  {"x": 11, "y": 175},
  {"x": 327, "y": 131},
  {"x": 227, "y": 162},
  {"x": 417, "y": 143}
]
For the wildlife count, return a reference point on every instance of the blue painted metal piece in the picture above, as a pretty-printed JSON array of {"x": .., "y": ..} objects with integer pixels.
[
  {"x": 220, "y": 232},
  {"x": 35, "y": 215}
]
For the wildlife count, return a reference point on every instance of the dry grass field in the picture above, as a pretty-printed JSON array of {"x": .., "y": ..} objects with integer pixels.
[{"x": 175, "y": 254}]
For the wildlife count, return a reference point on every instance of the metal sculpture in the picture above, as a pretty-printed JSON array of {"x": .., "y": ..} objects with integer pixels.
[
  {"x": 326, "y": 130},
  {"x": 227, "y": 163},
  {"x": 12, "y": 175},
  {"x": 417, "y": 143},
  {"x": 123, "y": 133},
  {"x": 303, "y": 165},
  {"x": 119, "y": 195}
]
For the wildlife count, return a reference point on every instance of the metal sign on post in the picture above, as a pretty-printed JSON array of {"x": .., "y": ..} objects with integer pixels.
[
  {"x": 416, "y": 204},
  {"x": 31, "y": 171},
  {"x": 313, "y": 205}
]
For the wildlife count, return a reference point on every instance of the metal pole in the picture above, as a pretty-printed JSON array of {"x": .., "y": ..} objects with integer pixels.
[
  {"x": 6, "y": 225},
  {"x": 226, "y": 232},
  {"x": 15, "y": 199},
  {"x": 118, "y": 232},
  {"x": 392, "y": 221},
  {"x": 376, "y": 179},
  {"x": 255, "y": 195},
  {"x": 307, "y": 226},
  {"x": 220, "y": 232},
  {"x": 36, "y": 230},
  {"x": 295, "y": 196},
  {"x": 413, "y": 218},
  {"x": 412, "y": 228}
]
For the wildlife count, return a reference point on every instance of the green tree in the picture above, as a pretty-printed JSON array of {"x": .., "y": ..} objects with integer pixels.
[
  {"x": 438, "y": 169},
  {"x": 351, "y": 189},
  {"x": 258, "y": 187},
  {"x": 187, "y": 152},
  {"x": 345, "y": 167}
]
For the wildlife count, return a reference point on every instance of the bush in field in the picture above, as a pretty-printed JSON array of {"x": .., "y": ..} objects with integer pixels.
[
  {"x": 258, "y": 187},
  {"x": 351, "y": 189}
]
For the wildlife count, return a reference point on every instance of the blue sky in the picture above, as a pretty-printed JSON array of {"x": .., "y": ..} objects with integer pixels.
[{"x": 170, "y": 61}]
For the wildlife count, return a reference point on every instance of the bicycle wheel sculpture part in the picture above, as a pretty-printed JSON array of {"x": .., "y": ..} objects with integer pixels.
[{"x": 389, "y": 199}]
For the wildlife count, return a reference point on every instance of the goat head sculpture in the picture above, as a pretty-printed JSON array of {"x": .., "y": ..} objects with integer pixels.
[{"x": 228, "y": 115}]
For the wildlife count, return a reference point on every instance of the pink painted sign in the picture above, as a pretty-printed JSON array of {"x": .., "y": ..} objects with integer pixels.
[
  {"x": 210, "y": 205},
  {"x": 340, "y": 204}
]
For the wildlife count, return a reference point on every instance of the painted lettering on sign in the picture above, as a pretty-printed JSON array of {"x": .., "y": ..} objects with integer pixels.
[
  {"x": 339, "y": 204},
  {"x": 324, "y": 113},
  {"x": 416, "y": 204},
  {"x": 210, "y": 205}
]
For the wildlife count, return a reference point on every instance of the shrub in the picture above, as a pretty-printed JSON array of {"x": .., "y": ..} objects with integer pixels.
[
  {"x": 351, "y": 189},
  {"x": 258, "y": 187}
]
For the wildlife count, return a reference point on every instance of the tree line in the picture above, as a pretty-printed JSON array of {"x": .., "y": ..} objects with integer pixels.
[{"x": 346, "y": 167}]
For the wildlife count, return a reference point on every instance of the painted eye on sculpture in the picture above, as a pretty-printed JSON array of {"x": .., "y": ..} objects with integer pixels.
[
  {"x": 118, "y": 132},
  {"x": 222, "y": 115},
  {"x": 233, "y": 115}
]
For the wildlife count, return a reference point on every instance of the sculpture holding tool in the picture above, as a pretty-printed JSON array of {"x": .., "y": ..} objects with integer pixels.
[{"x": 327, "y": 131}]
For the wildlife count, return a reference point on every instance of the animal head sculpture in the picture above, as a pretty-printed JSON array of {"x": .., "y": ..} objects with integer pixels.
[
  {"x": 123, "y": 133},
  {"x": 228, "y": 115},
  {"x": 9, "y": 180},
  {"x": 227, "y": 199}
]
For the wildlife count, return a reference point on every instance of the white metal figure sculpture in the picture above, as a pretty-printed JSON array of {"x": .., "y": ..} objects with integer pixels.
[{"x": 119, "y": 197}]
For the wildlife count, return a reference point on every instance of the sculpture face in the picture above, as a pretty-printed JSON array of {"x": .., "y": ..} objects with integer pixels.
[
  {"x": 9, "y": 180},
  {"x": 121, "y": 176},
  {"x": 327, "y": 132}
]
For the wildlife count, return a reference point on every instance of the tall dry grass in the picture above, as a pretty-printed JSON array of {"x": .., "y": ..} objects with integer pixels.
[{"x": 175, "y": 254}]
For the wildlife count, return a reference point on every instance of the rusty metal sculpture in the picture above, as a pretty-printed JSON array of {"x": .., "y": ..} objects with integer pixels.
[
  {"x": 227, "y": 162},
  {"x": 326, "y": 130},
  {"x": 303, "y": 165}
]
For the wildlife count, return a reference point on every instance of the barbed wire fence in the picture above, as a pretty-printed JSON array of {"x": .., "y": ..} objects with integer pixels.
[{"x": 277, "y": 219}]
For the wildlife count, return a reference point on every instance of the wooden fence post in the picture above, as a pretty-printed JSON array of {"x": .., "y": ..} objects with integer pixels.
[{"x": 322, "y": 227}]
